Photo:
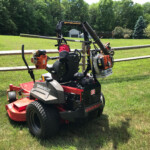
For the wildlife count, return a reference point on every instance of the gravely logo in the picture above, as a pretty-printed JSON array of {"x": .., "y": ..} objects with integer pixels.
[{"x": 43, "y": 88}]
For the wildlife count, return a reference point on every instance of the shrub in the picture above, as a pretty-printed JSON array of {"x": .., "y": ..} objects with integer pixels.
[
  {"x": 147, "y": 31},
  {"x": 118, "y": 32},
  {"x": 127, "y": 33}
]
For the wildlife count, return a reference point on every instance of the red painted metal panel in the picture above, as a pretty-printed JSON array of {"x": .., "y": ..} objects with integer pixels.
[
  {"x": 72, "y": 90},
  {"x": 17, "y": 109}
]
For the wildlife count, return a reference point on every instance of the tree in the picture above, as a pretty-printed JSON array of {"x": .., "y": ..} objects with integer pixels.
[
  {"x": 29, "y": 16},
  {"x": 105, "y": 16},
  {"x": 136, "y": 12},
  {"x": 7, "y": 25},
  {"x": 139, "y": 28},
  {"x": 146, "y": 8},
  {"x": 127, "y": 13},
  {"x": 22, "y": 14},
  {"x": 147, "y": 31},
  {"x": 41, "y": 16},
  {"x": 93, "y": 13},
  {"x": 76, "y": 10}
]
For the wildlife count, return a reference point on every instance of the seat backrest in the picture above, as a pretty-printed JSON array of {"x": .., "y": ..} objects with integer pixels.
[{"x": 63, "y": 71}]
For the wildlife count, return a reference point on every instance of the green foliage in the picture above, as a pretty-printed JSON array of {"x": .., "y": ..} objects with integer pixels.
[
  {"x": 41, "y": 16},
  {"x": 7, "y": 25},
  {"x": 105, "y": 16},
  {"x": 36, "y": 16},
  {"x": 74, "y": 10},
  {"x": 147, "y": 31},
  {"x": 93, "y": 13},
  {"x": 118, "y": 32},
  {"x": 139, "y": 28},
  {"x": 127, "y": 33},
  {"x": 126, "y": 13},
  {"x": 146, "y": 8},
  {"x": 147, "y": 18}
]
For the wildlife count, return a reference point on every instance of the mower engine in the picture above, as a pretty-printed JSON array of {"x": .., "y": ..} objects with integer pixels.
[{"x": 39, "y": 59}]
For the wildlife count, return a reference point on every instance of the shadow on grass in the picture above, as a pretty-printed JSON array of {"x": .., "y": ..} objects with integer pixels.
[
  {"x": 93, "y": 134},
  {"x": 2, "y": 93},
  {"x": 126, "y": 79},
  {"x": 16, "y": 124}
]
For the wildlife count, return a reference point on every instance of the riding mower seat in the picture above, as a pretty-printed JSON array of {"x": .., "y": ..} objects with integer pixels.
[{"x": 64, "y": 69}]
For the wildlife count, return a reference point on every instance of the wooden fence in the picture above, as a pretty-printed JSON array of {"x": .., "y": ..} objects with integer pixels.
[{"x": 20, "y": 68}]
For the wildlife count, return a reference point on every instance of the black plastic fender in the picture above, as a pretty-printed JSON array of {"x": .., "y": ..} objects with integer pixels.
[{"x": 50, "y": 92}]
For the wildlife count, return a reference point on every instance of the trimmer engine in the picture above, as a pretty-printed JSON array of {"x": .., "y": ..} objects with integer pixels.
[{"x": 39, "y": 59}]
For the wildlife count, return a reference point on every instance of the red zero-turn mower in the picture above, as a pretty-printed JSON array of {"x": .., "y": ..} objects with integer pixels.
[{"x": 63, "y": 94}]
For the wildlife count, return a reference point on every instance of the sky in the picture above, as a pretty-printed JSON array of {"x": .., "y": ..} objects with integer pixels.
[{"x": 136, "y": 1}]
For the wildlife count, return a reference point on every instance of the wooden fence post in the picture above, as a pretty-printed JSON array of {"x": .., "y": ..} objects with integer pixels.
[{"x": 83, "y": 58}]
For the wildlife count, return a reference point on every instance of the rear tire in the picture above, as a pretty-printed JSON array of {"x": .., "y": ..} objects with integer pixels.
[
  {"x": 100, "y": 110},
  {"x": 43, "y": 121}
]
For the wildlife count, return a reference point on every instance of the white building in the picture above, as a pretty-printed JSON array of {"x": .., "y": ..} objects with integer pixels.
[{"x": 74, "y": 33}]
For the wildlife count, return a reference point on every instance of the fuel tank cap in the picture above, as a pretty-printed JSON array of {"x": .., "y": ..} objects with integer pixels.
[{"x": 49, "y": 79}]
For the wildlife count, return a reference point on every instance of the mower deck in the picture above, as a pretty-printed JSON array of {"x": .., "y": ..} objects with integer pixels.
[{"x": 17, "y": 109}]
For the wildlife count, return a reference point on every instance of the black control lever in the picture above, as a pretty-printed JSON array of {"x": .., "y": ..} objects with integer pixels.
[{"x": 30, "y": 71}]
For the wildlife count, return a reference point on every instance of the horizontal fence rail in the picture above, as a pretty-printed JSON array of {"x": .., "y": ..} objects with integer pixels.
[
  {"x": 18, "y": 52},
  {"x": 20, "y": 68},
  {"x": 130, "y": 47},
  {"x": 131, "y": 58}
]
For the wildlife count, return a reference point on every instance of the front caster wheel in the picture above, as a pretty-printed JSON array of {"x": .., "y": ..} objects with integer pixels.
[
  {"x": 100, "y": 110},
  {"x": 43, "y": 120},
  {"x": 12, "y": 96}
]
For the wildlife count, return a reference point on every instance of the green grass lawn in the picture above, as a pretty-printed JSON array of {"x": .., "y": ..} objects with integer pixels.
[{"x": 125, "y": 123}]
